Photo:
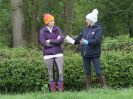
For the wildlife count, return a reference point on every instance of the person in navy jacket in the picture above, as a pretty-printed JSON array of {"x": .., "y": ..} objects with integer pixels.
[{"x": 90, "y": 40}]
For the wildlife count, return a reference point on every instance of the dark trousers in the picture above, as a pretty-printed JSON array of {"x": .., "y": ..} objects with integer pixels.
[{"x": 87, "y": 65}]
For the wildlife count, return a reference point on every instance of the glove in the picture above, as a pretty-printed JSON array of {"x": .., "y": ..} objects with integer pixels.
[{"x": 85, "y": 42}]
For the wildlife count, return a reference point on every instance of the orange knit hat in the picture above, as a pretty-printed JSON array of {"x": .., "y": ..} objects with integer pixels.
[{"x": 47, "y": 18}]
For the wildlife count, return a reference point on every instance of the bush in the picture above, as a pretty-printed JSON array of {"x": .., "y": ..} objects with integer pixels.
[
  {"x": 23, "y": 69},
  {"x": 73, "y": 71},
  {"x": 120, "y": 43},
  {"x": 118, "y": 68}
]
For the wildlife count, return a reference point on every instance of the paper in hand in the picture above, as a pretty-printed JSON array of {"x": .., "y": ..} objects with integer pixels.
[{"x": 70, "y": 40}]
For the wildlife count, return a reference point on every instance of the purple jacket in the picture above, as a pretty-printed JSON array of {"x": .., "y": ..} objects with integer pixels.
[{"x": 55, "y": 44}]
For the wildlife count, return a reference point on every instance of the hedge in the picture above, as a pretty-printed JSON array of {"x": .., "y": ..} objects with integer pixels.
[
  {"x": 23, "y": 69},
  {"x": 120, "y": 43}
]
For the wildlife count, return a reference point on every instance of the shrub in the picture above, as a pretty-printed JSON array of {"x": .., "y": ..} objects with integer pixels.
[
  {"x": 118, "y": 68},
  {"x": 23, "y": 69},
  {"x": 120, "y": 43}
]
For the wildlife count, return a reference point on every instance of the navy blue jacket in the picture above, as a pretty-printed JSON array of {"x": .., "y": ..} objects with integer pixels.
[{"x": 94, "y": 36}]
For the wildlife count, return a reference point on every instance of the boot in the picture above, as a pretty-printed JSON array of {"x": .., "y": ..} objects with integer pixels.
[
  {"x": 60, "y": 86},
  {"x": 52, "y": 86},
  {"x": 102, "y": 81},
  {"x": 88, "y": 81}
]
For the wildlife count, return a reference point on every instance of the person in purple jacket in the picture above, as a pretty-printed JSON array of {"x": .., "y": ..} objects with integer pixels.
[{"x": 51, "y": 39}]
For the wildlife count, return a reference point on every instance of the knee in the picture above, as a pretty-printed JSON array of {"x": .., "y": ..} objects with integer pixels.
[
  {"x": 51, "y": 74},
  {"x": 87, "y": 73},
  {"x": 60, "y": 74},
  {"x": 99, "y": 74}
]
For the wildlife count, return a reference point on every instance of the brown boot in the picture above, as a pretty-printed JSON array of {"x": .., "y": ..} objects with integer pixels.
[
  {"x": 88, "y": 81},
  {"x": 102, "y": 81}
]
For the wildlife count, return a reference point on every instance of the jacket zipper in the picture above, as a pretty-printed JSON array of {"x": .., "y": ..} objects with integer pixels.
[
  {"x": 86, "y": 45},
  {"x": 53, "y": 48}
]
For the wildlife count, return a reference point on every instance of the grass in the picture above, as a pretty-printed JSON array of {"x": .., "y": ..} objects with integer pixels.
[{"x": 91, "y": 94}]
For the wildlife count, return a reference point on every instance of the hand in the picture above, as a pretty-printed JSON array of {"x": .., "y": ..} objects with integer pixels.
[
  {"x": 83, "y": 41},
  {"x": 59, "y": 37},
  {"x": 48, "y": 41}
]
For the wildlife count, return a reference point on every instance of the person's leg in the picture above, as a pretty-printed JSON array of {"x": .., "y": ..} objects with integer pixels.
[
  {"x": 60, "y": 62},
  {"x": 97, "y": 65},
  {"x": 49, "y": 63},
  {"x": 87, "y": 68}
]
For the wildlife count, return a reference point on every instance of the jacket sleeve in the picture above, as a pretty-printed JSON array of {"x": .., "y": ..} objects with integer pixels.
[
  {"x": 58, "y": 41},
  {"x": 78, "y": 38},
  {"x": 43, "y": 40},
  {"x": 97, "y": 38}
]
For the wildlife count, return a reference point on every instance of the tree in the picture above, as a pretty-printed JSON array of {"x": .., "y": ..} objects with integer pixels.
[
  {"x": 34, "y": 33},
  {"x": 18, "y": 23},
  {"x": 68, "y": 16},
  {"x": 130, "y": 18}
]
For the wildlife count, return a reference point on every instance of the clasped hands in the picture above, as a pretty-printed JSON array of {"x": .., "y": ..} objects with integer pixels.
[{"x": 48, "y": 41}]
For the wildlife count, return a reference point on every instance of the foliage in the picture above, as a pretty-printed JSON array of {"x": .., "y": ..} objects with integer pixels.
[
  {"x": 118, "y": 68},
  {"x": 122, "y": 43},
  {"x": 115, "y": 16},
  {"x": 23, "y": 69},
  {"x": 5, "y": 23}
]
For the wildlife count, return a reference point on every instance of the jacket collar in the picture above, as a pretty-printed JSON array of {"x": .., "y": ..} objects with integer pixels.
[{"x": 46, "y": 29}]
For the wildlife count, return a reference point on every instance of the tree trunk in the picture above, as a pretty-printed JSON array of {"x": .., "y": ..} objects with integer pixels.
[
  {"x": 34, "y": 33},
  {"x": 130, "y": 26},
  {"x": 68, "y": 17},
  {"x": 130, "y": 19},
  {"x": 18, "y": 23}
]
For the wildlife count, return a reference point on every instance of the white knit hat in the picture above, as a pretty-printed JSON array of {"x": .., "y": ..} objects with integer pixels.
[{"x": 93, "y": 16}]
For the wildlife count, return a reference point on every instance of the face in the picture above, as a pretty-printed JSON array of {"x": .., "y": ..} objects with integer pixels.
[
  {"x": 88, "y": 22},
  {"x": 51, "y": 23}
]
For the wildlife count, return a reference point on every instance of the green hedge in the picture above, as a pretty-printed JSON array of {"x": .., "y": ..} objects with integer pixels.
[
  {"x": 119, "y": 43},
  {"x": 23, "y": 69},
  {"x": 118, "y": 68}
]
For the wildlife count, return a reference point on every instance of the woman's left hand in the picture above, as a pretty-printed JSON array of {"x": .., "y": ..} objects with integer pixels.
[
  {"x": 48, "y": 41},
  {"x": 83, "y": 41},
  {"x": 59, "y": 37}
]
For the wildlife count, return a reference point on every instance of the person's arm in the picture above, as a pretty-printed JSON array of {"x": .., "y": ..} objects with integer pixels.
[
  {"x": 98, "y": 37},
  {"x": 78, "y": 38},
  {"x": 43, "y": 40},
  {"x": 59, "y": 39}
]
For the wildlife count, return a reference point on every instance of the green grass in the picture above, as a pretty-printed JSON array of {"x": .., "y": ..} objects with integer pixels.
[{"x": 91, "y": 94}]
